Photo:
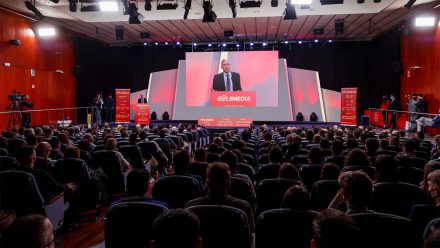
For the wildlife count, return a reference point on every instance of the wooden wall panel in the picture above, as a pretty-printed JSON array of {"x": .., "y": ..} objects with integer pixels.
[
  {"x": 48, "y": 88},
  {"x": 422, "y": 48}
]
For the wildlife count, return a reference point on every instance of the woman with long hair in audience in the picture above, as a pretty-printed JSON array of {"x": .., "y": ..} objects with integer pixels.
[{"x": 357, "y": 157}]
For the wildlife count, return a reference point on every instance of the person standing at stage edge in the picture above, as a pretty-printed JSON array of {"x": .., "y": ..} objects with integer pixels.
[
  {"x": 394, "y": 106},
  {"x": 26, "y": 105},
  {"x": 109, "y": 106},
  {"x": 385, "y": 105},
  {"x": 97, "y": 104}
]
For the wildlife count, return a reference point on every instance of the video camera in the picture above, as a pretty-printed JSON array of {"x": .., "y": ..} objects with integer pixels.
[{"x": 16, "y": 96}]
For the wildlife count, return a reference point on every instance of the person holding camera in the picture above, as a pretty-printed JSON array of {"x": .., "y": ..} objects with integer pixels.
[{"x": 26, "y": 105}]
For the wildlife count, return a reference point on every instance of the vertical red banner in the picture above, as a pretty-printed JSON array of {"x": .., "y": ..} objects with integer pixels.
[
  {"x": 348, "y": 106},
  {"x": 122, "y": 97},
  {"x": 142, "y": 114}
]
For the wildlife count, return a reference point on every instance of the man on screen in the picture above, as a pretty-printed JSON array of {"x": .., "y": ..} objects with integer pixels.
[
  {"x": 142, "y": 99},
  {"x": 227, "y": 80}
]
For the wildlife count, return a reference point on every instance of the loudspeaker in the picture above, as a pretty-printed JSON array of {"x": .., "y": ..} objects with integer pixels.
[
  {"x": 15, "y": 42},
  {"x": 228, "y": 33},
  {"x": 119, "y": 30},
  {"x": 318, "y": 31},
  {"x": 339, "y": 26},
  {"x": 76, "y": 70},
  {"x": 397, "y": 67},
  {"x": 145, "y": 35}
]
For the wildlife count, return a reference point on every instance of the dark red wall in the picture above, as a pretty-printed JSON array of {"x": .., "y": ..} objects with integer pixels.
[
  {"x": 422, "y": 48},
  {"x": 51, "y": 89}
]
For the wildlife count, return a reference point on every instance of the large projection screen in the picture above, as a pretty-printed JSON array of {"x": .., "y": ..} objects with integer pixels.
[{"x": 281, "y": 112}]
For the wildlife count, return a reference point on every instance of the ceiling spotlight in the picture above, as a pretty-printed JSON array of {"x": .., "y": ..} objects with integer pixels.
[
  {"x": 286, "y": 42},
  {"x": 31, "y": 6},
  {"x": 210, "y": 45},
  {"x": 145, "y": 43},
  {"x": 208, "y": 15},
  {"x": 300, "y": 42},
  {"x": 55, "y": 1},
  {"x": 155, "y": 43},
  {"x": 289, "y": 12},
  {"x": 233, "y": 5},
  {"x": 316, "y": 40},
  {"x": 264, "y": 44},
  {"x": 377, "y": 1},
  {"x": 330, "y": 41},
  {"x": 187, "y": 8},
  {"x": 250, "y": 4},
  {"x": 147, "y": 5},
  {"x": 425, "y": 21},
  {"x": 238, "y": 45},
  {"x": 252, "y": 44},
  {"x": 360, "y": 1},
  {"x": 300, "y": 2},
  {"x": 169, "y": 4},
  {"x": 135, "y": 16},
  {"x": 224, "y": 44},
  {"x": 178, "y": 43},
  {"x": 194, "y": 44},
  {"x": 274, "y": 3},
  {"x": 409, "y": 4},
  {"x": 46, "y": 32}
]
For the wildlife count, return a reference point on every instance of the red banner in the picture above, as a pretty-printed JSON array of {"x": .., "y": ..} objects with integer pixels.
[
  {"x": 348, "y": 106},
  {"x": 225, "y": 122},
  {"x": 142, "y": 114},
  {"x": 233, "y": 99},
  {"x": 122, "y": 97}
]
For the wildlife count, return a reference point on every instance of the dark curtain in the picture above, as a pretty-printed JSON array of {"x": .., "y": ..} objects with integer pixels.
[{"x": 367, "y": 65}]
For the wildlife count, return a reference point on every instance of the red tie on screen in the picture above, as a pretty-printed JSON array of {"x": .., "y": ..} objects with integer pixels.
[{"x": 228, "y": 83}]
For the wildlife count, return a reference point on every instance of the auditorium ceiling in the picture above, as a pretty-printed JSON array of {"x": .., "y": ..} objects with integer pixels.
[{"x": 362, "y": 21}]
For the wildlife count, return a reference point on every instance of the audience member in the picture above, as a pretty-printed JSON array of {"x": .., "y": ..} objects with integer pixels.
[
  {"x": 296, "y": 198},
  {"x": 218, "y": 182},
  {"x": 177, "y": 228},
  {"x": 329, "y": 171},
  {"x": 288, "y": 171}
]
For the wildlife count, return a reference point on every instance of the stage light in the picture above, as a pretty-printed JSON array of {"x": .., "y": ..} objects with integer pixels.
[
  {"x": 300, "y": 42},
  {"x": 210, "y": 45},
  {"x": 147, "y": 6},
  {"x": 178, "y": 43},
  {"x": 72, "y": 5},
  {"x": 46, "y": 32},
  {"x": 187, "y": 8},
  {"x": 108, "y": 6},
  {"x": 31, "y": 6},
  {"x": 425, "y": 21},
  {"x": 135, "y": 16},
  {"x": 233, "y": 5},
  {"x": 55, "y": 1},
  {"x": 289, "y": 12},
  {"x": 409, "y": 4},
  {"x": 300, "y": 2},
  {"x": 330, "y": 41},
  {"x": 155, "y": 43},
  {"x": 274, "y": 3},
  {"x": 145, "y": 43},
  {"x": 224, "y": 44},
  {"x": 167, "y": 5},
  {"x": 250, "y": 4},
  {"x": 316, "y": 41},
  {"x": 286, "y": 42},
  {"x": 195, "y": 44},
  {"x": 166, "y": 43},
  {"x": 208, "y": 15},
  {"x": 238, "y": 45},
  {"x": 252, "y": 44},
  {"x": 264, "y": 44}
]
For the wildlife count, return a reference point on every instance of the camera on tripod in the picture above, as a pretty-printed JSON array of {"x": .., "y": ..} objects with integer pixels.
[{"x": 16, "y": 96}]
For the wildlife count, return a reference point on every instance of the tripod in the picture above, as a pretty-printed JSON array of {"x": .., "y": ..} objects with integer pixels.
[{"x": 13, "y": 114}]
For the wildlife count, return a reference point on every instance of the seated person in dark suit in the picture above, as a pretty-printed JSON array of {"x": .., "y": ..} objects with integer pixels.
[
  {"x": 227, "y": 80},
  {"x": 231, "y": 160},
  {"x": 176, "y": 228},
  {"x": 181, "y": 163},
  {"x": 356, "y": 191},
  {"x": 137, "y": 187},
  {"x": 421, "y": 214},
  {"x": 218, "y": 183}
]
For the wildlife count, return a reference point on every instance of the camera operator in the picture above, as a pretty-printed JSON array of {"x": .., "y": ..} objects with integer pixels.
[{"x": 26, "y": 105}]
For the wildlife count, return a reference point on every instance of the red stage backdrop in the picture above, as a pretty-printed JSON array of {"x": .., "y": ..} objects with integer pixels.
[
  {"x": 122, "y": 97},
  {"x": 143, "y": 114},
  {"x": 348, "y": 106}
]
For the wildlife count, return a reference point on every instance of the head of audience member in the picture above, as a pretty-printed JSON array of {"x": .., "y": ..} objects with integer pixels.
[
  {"x": 3, "y": 142},
  {"x": 288, "y": 171},
  {"x": 315, "y": 155},
  {"x": 239, "y": 155},
  {"x": 218, "y": 141},
  {"x": 337, "y": 147},
  {"x": 230, "y": 159},
  {"x": 214, "y": 148},
  {"x": 64, "y": 138},
  {"x": 177, "y": 228},
  {"x": 85, "y": 145},
  {"x": 296, "y": 198},
  {"x": 275, "y": 155},
  {"x": 14, "y": 144},
  {"x": 89, "y": 138},
  {"x": 386, "y": 169},
  {"x": 48, "y": 132},
  {"x": 200, "y": 155},
  {"x": 324, "y": 144},
  {"x": 434, "y": 186},
  {"x": 238, "y": 144},
  {"x": 43, "y": 150},
  {"x": 429, "y": 167},
  {"x": 384, "y": 144},
  {"x": 352, "y": 144},
  {"x": 138, "y": 182},
  {"x": 29, "y": 231},
  {"x": 218, "y": 178},
  {"x": 433, "y": 240},
  {"x": 245, "y": 136},
  {"x": 132, "y": 139},
  {"x": 357, "y": 157},
  {"x": 317, "y": 139},
  {"x": 26, "y": 157},
  {"x": 409, "y": 146},
  {"x": 329, "y": 171},
  {"x": 72, "y": 152},
  {"x": 111, "y": 144},
  {"x": 181, "y": 162},
  {"x": 333, "y": 228},
  {"x": 371, "y": 145},
  {"x": 55, "y": 143},
  {"x": 31, "y": 140},
  {"x": 357, "y": 189}
]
